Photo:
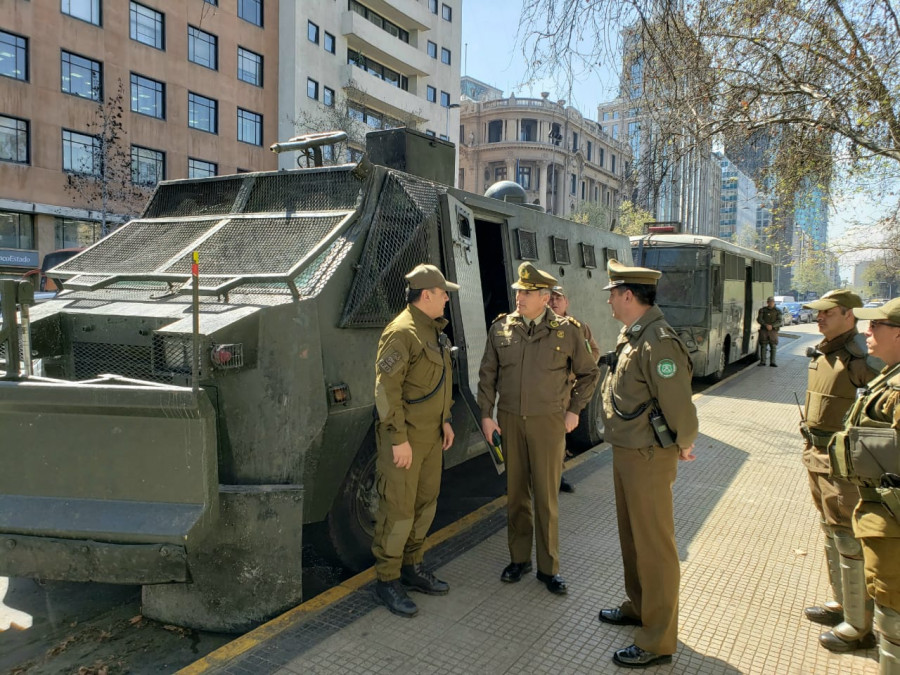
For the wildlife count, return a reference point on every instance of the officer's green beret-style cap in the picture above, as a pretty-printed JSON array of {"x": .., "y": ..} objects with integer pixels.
[
  {"x": 620, "y": 274},
  {"x": 889, "y": 311},
  {"x": 429, "y": 276},
  {"x": 533, "y": 279},
  {"x": 838, "y": 298}
]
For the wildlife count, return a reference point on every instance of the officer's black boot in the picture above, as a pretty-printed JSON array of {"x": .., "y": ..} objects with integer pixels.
[
  {"x": 762, "y": 354},
  {"x": 565, "y": 486},
  {"x": 772, "y": 349},
  {"x": 417, "y": 578},
  {"x": 394, "y": 597}
]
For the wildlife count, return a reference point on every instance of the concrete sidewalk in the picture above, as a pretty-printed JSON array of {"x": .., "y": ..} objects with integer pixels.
[{"x": 750, "y": 546}]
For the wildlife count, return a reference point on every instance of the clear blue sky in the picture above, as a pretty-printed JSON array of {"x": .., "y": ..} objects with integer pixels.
[{"x": 492, "y": 55}]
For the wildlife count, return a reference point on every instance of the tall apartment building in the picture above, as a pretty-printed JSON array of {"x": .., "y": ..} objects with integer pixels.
[
  {"x": 199, "y": 82},
  {"x": 565, "y": 162},
  {"x": 738, "y": 210},
  {"x": 383, "y": 63},
  {"x": 208, "y": 85}
]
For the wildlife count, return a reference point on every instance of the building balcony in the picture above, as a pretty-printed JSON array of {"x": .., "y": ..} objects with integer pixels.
[
  {"x": 370, "y": 40},
  {"x": 408, "y": 14},
  {"x": 387, "y": 98}
]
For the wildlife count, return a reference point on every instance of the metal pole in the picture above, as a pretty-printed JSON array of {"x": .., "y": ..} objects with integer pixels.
[{"x": 195, "y": 361}]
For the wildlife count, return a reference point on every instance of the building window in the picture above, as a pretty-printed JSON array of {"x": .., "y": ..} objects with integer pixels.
[
  {"x": 328, "y": 96},
  {"x": 148, "y": 97},
  {"x": 612, "y": 163},
  {"x": 249, "y": 127},
  {"x": 312, "y": 32},
  {"x": 555, "y": 134},
  {"x": 590, "y": 149},
  {"x": 392, "y": 77},
  {"x": 13, "y": 140},
  {"x": 528, "y": 131},
  {"x": 86, "y": 10},
  {"x": 433, "y": 6},
  {"x": 605, "y": 116},
  {"x": 328, "y": 43},
  {"x": 203, "y": 113},
  {"x": 197, "y": 168},
  {"x": 461, "y": 180},
  {"x": 600, "y": 153},
  {"x": 380, "y": 21},
  {"x": 431, "y": 94},
  {"x": 16, "y": 230},
  {"x": 81, "y": 76},
  {"x": 372, "y": 118},
  {"x": 432, "y": 49},
  {"x": 214, "y": 3},
  {"x": 71, "y": 233},
  {"x": 524, "y": 177},
  {"x": 312, "y": 88},
  {"x": 147, "y": 26},
  {"x": 81, "y": 153},
  {"x": 147, "y": 166},
  {"x": 250, "y": 67},
  {"x": 445, "y": 55},
  {"x": 573, "y": 182},
  {"x": 203, "y": 48},
  {"x": 13, "y": 56},
  {"x": 583, "y": 188},
  {"x": 615, "y": 131},
  {"x": 495, "y": 131},
  {"x": 251, "y": 11},
  {"x": 445, "y": 99},
  {"x": 499, "y": 173},
  {"x": 574, "y": 141},
  {"x": 447, "y": 12}
]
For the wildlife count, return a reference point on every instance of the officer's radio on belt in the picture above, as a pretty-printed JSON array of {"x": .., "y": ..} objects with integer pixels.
[{"x": 661, "y": 430}]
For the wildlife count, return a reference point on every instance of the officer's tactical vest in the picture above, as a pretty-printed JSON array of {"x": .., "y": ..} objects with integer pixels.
[{"x": 831, "y": 393}]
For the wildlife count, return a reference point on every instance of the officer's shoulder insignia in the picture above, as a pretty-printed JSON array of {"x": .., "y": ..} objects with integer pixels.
[
  {"x": 666, "y": 368},
  {"x": 636, "y": 328},
  {"x": 666, "y": 332},
  {"x": 554, "y": 324},
  {"x": 499, "y": 316},
  {"x": 575, "y": 322},
  {"x": 388, "y": 362}
]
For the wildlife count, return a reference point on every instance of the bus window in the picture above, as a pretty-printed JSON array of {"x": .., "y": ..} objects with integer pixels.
[{"x": 716, "y": 288}]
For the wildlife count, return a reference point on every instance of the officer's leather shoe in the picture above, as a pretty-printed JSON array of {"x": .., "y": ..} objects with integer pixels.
[
  {"x": 635, "y": 657},
  {"x": 565, "y": 486},
  {"x": 762, "y": 363},
  {"x": 554, "y": 582},
  {"x": 617, "y": 618},
  {"x": 823, "y": 615},
  {"x": 515, "y": 571},
  {"x": 835, "y": 643},
  {"x": 394, "y": 597},
  {"x": 417, "y": 578},
  {"x": 774, "y": 365}
]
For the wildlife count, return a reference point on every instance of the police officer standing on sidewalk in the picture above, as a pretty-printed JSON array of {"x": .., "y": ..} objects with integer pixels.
[
  {"x": 867, "y": 452},
  {"x": 528, "y": 358},
  {"x": 559, "y": 303},
  {"x": 839, "y": 366},
  {"x": 413, "y": 389},
  {"x": 651, "y": 424},
  {"x": 769, "y": 319}
]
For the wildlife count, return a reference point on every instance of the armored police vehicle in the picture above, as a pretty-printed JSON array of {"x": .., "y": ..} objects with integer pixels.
[{"x": 174, "y": 423}]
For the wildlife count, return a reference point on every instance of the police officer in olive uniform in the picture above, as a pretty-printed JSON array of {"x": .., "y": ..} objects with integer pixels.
[
  {"x": 413, "y": 388},
  {"x": 840, "y": 365},
  {"x": 651, "y": 424},
  {"x": 559, "y": 303},
  {"x": 867, "y": 453},
  {"x": 528, "y": 359},
  {"x": 769, "y": 319}
]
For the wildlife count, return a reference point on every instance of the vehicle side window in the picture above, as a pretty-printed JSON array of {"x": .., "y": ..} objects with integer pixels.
[{"x": 716, "y": 288}]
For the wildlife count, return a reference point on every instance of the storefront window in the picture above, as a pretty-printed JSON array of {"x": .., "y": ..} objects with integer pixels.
[
  {"x": 16, "y": 230},
  {"x": 71, "y": 233}
]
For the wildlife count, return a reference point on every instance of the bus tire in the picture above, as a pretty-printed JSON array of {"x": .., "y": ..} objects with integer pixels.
[
  {"x": 590, "y": 429},
  {"x": 350, "y": 523},
  {"x": 719, "y": 372}
]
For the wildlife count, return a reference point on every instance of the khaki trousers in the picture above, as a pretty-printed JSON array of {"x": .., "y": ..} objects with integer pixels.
[
  {"x": 643, "y": 480},
  {"x": 882, "y": 556},
  {"x": 534, "y": 447},
  {"x": 406, "y": 507},
  {"x": 834, "y": 498}
]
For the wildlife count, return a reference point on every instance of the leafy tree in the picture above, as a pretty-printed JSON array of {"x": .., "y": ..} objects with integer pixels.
[
  {"x": 105, "y": 182},
  {"x": 632, "y": 219},
  {"x": 595, "y": 215},
  {"x": 882, "y": 278}
]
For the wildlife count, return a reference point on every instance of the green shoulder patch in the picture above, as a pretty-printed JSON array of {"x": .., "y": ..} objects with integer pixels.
[{"x": 666, "y": 368}]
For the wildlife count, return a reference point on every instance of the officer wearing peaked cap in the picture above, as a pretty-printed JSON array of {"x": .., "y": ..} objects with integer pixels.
[
  {"x": 769, "y": 319},
  {"x": 839, "y": 366},
  {"x": 413, "y": 385},
  {"x": 651, "y": 424},
  {"x": 529, "y": 356}
]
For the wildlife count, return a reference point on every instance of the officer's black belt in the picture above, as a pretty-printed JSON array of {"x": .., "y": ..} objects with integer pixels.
[{"x": 630, "y": 416}]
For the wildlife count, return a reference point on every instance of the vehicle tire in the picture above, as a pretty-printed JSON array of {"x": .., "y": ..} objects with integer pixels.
[
  {"x": 719, "y": 372},
  {"x": 350, "y": 523},
  {"x": 590, "y": 429}
]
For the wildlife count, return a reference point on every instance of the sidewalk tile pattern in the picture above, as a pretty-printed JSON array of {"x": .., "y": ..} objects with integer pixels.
[{"x": 748, "y": 537}]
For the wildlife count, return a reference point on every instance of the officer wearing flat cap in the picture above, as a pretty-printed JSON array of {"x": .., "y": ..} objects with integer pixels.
[
  {"x": 529, "y": 356},
  {"x": 559, "y": 303},
  {"x": 769, "y": 319},
  {"x": 839, "y": 365},
  {"x": 413, "y": 385},
  {"x": 867, "y": 453},
  {"x": 651, "y": 424}
]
